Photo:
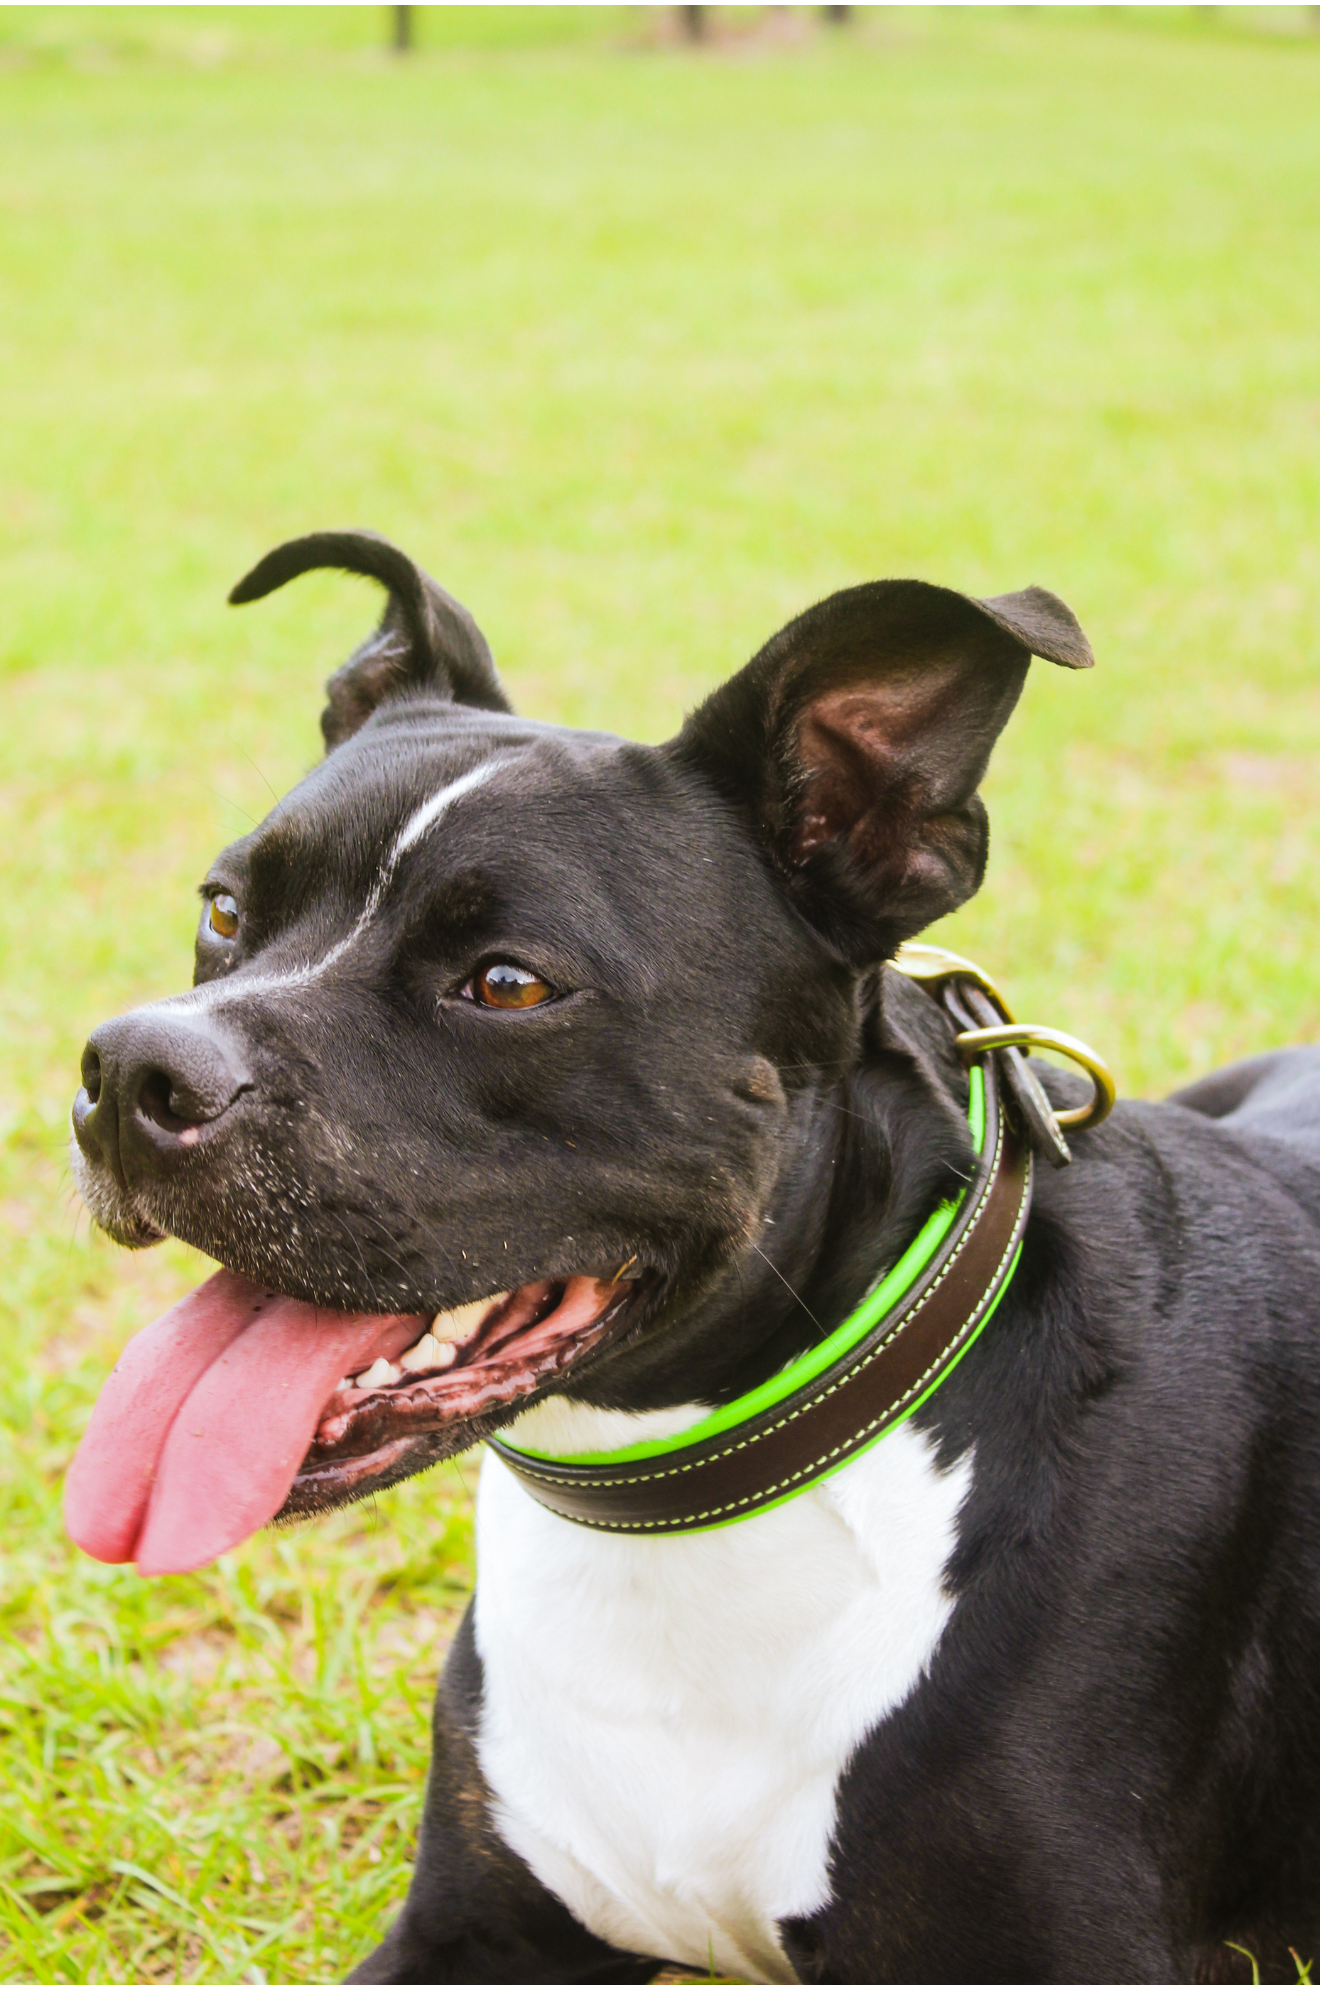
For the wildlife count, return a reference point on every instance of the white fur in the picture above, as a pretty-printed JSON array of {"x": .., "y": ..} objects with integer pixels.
[
  {"x": 430, "y": 812},
  {"x": 217, "y": 994},
  {"x": 665, "y": 1720}
]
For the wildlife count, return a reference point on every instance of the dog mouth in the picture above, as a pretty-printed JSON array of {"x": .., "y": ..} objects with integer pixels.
[
  {"x": 381, "y": 1423},
  {"x": 241, "y": 1406}
]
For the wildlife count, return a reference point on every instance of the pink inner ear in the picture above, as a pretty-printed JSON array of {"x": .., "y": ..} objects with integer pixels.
[
  {"x": 851, "y": 747},
  {"x": 885, "y": 778}
]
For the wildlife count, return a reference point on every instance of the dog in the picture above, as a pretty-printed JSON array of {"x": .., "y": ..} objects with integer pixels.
[{"x": 542, "y": 1088}]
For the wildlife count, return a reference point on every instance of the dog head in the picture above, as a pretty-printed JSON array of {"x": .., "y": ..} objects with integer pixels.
[{"x": 522, "y": 1030}]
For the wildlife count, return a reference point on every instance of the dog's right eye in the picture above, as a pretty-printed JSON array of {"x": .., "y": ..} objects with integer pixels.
[{"x": 222, "y": 916}]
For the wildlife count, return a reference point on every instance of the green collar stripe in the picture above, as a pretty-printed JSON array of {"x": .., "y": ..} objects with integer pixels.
[
  {"x": 888, "y": 1293},
  {"x": 809, "y": 1485}
]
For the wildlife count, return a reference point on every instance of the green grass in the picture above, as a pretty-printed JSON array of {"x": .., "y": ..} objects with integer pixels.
[{"x": 640, "y": 348}]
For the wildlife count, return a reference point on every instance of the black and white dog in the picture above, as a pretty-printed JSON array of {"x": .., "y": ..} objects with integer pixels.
[{"x": 588, "y": 1050}]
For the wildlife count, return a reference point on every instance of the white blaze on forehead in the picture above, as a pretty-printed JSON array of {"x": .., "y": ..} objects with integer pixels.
[
  {"x": 430, "y": 812},
  {"x": 213, "y": 993}
]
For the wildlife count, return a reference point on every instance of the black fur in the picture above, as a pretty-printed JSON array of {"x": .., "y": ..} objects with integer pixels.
[{"x": 1112, "y": 1768}]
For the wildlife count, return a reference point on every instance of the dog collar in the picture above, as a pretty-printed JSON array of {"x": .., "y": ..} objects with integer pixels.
[{"x": 891, "y": 1353}]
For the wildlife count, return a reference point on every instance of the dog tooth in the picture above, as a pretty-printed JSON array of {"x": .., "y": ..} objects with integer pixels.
[
  {"x": 380, "y": 1372},
  {"x": 456, "y": 1326},
  {"x": 429, "y": 1352},
  {"x": 423, "y": 1354}
]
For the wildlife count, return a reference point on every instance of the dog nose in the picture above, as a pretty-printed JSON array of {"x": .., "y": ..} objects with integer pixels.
[{"x": 150, "y": 1083}]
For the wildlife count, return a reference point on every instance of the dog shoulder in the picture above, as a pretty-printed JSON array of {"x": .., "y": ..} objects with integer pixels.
[{"x": 475, "y": 1913}]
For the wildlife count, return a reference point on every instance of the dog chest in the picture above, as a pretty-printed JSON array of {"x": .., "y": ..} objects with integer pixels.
[{"x": 665, "y": 1720}]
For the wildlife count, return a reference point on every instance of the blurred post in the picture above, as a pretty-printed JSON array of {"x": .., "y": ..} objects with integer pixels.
[
  {"x": 838, "y": 17},
  {"x": 694, "y": 22},
  {"x": 402, "y": 30}
]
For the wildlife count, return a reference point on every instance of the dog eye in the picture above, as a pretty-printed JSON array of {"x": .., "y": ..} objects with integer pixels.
[
  {"x": 504, "y": 986},
  {"x": 222, "y": 916}
]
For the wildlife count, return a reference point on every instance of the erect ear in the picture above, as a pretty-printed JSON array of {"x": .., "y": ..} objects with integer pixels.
[
  {"x": 426, "y": 639},
  {"x": 855, "y": 742}
]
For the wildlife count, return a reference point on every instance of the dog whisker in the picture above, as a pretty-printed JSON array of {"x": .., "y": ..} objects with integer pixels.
[
  {"x": 783, "y": 1281},
  {"x": 260, "y": 776}
]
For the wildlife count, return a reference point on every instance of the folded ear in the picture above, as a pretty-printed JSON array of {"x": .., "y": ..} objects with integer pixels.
[
  {"x": 426, "y": 639},
  {"x": 855, "y": 742}
]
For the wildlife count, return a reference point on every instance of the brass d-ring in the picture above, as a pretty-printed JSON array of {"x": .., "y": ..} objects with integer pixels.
[{"x": 1034, "y": 1036}]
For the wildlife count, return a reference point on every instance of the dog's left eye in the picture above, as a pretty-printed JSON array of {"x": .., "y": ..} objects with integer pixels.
[{"x": 503, "y": 985}]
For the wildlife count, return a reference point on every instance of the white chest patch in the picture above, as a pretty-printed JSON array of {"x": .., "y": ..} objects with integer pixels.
[{"x": 665, "y": 1721}]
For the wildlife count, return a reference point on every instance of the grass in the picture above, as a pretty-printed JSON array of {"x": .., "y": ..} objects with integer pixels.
[{"x": 640, "y": 348}]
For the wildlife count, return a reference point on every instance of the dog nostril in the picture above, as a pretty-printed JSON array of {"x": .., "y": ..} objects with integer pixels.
[
  {"x": 91, "y": 1074},
  {"x": 158, "y": 1102}
]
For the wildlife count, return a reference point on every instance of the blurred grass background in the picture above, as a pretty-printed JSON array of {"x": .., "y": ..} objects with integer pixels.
[{"x": 640, "y": 347}]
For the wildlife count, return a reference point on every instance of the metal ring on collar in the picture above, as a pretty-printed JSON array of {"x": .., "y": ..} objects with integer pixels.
[
  {"x": 933, "y": 965},
  {"x": 1017, "y": 1036}
]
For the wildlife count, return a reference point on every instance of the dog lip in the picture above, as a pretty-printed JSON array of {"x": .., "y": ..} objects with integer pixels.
[
  {"x": 341, "y": 1476},
  {"x": 97, "y": 1131},
  {"x": 133, "y": 1231},
  {"x": 113, "y": 1206}
]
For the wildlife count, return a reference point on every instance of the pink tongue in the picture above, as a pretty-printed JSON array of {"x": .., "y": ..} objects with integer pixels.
[{"x": 198, "y": 1434}]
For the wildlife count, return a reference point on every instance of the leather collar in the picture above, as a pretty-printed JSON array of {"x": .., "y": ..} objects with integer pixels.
[{"x": 837, "y": 1399}]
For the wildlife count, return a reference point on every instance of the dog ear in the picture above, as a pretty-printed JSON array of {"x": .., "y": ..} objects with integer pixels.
[
  {"x": 855, "y": 741},
  {"x": 426, "y": 639}
]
